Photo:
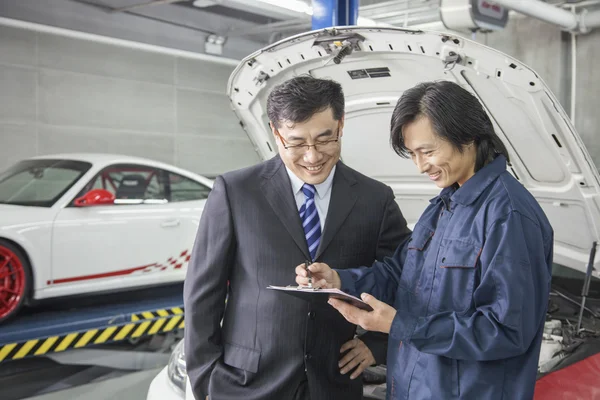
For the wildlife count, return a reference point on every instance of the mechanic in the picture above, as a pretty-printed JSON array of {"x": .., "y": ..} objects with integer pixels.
[
  {"x": 469, "y": 289},
  {"x": 257, "y": 225}
]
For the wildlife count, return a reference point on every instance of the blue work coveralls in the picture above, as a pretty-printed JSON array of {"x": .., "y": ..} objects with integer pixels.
[{"x": 470, "y": 288}]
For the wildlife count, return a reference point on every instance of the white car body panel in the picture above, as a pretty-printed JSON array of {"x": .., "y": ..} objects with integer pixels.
[
  {"x": 121, "y": 238},
  {"x": 77, "y": 250},
  {"x": 162, "y": 389},
  {"x": 546, "y": 153}
]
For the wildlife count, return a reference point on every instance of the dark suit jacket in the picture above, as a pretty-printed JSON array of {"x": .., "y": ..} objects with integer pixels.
[{"x": 250, "y": 235}]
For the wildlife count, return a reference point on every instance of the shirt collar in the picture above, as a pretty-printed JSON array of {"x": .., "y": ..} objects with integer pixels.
[
  {"x": 472, "y": 189},
  {"x": 322, "y": 188}
]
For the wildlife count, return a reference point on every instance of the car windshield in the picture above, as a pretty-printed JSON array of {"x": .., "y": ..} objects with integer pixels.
[{"x": 39, "y": 183}]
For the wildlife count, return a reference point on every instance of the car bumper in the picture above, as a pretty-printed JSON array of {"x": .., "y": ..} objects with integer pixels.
[{"x": 162, "y": 389}]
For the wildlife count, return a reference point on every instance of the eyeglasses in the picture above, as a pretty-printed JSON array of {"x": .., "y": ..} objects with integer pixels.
[{"x": 322, "y": 146}]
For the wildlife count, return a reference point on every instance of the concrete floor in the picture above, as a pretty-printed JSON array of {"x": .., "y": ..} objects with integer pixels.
[{"x": 131, "y": 386}]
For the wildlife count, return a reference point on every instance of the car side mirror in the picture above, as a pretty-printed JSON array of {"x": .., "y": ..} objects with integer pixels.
[{"x": 95, "y": 197}]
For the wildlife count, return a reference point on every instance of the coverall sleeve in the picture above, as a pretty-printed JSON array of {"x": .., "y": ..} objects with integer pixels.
[
  {"x": 380, "y": 280},
  {"x": 510, "y": 300},
  {"x": 393, "y": 231},
  {"x": 205, "y": 289}
]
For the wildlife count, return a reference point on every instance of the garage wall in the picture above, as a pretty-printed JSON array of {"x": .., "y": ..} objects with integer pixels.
[
  {"x": 587, "y": 117},
  {"x": 547, "y": 49},
  {"x": 64, "y": 94}
]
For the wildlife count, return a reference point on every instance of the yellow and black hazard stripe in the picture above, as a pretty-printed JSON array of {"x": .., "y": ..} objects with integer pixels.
[{"x": 143, "y": 324}]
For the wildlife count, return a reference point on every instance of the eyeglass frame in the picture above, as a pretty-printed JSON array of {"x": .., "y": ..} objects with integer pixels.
[{"x": 308, "y": 146}]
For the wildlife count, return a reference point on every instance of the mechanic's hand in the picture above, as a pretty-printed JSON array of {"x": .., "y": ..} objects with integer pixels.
[
  {"x": 358, "y": 355},
  {"x": 322, "y": 276},
  {"x": 378, "y": 320}
]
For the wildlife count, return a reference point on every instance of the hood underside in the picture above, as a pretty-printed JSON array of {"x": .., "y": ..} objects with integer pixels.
[{"x": 375, "y": 65}]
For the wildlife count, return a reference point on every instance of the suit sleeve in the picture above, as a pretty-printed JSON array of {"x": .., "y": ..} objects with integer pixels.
[
  {"x": 382, "y": 278},
  {"x": 510, "y": 300},
  {"x": 392, "y": 232},
  {"x": 205, "y": 289}
]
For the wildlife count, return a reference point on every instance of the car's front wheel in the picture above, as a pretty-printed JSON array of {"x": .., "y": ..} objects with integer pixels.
[{"x": 15, "y": 279}]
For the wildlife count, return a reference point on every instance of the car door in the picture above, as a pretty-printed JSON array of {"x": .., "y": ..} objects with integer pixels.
[
  {"x": 188, "y": 196},
  {"x": 129, "y": 243}
]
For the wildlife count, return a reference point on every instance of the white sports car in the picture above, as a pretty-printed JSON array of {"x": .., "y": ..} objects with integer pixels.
[
  {"x": 374, "y": 66},
  {"x": 83, "y": 223}
]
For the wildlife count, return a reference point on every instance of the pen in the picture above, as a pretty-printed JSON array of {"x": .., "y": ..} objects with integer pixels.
[{"x": 306, "y": 264}]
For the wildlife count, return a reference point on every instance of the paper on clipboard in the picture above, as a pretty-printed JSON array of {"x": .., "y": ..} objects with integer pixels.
[{"x": 321, "y": 295}]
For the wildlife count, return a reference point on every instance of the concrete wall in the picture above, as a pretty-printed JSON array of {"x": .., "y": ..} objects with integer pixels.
[
  {"x": 62, "y": 94},
  {"x": 547, "y": 50},
  {"x": 587, "y": 99}
]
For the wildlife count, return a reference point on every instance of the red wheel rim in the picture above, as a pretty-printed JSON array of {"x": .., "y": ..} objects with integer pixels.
[{"x": 12, "y": 281}]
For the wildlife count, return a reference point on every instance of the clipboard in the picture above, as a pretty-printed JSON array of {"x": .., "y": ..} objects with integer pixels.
[{"x": 316, "y": 295}]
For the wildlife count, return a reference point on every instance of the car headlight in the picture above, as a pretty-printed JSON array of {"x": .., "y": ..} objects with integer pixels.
[{"x": 176, "y": 369}]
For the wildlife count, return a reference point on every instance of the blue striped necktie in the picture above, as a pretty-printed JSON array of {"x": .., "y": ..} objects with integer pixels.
[{"x": 310, "y": 220}]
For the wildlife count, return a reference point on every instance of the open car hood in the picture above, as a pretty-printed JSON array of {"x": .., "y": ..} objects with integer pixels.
[{"x": 547, "y": 155}]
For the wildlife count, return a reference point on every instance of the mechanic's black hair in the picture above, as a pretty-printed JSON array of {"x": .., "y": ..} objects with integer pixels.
[
  {"x": 299, "y": 98},
  {"x": 456, "y": 116}
]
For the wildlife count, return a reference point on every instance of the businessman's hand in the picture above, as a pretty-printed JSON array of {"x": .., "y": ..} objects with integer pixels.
[
  {"x": 378, "y": 320},
  {"x": 322, "y": 276},
  {"x": 358, "y": 356}
]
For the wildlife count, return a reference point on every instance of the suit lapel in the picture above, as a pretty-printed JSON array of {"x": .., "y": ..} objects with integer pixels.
[
  {"x": 277, "y": 189},
  {"x": 343, "y": 198}
]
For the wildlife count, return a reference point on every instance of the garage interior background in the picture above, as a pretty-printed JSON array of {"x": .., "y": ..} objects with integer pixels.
[{"x": 82, "y": 93}]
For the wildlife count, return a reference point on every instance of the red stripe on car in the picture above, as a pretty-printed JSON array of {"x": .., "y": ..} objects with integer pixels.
[{"x": 104, "y": 275}]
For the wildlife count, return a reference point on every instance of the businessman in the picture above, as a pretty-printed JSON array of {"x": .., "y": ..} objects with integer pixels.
[{"x": 258, "y": 224}]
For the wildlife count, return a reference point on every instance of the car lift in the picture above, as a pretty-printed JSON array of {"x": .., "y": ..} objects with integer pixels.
[{"x": 49, "y": 332}]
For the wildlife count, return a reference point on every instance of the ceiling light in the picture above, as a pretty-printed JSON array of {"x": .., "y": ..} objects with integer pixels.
[{"x": 204, "y": 3}]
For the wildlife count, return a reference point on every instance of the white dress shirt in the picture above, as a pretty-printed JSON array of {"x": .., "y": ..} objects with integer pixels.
[{"x": 322, "y": 196}]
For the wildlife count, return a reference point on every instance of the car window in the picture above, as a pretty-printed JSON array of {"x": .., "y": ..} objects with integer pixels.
[
  {"x": 39, "y": 182},
  {"x": 131, "y": 183},
  {"x": 185, "y": 189},
  {"x": 156, "y": 187}
]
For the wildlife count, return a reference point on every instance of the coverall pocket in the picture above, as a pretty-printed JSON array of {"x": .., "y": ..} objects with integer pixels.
[
  {"x": 415, "y": 257},
  {"x": 455, "y": 276}
]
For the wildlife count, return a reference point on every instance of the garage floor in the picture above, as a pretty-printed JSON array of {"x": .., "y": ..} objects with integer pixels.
[
  {"x": 131, "y": 386},
  {"x": 116, "y": 371}
]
